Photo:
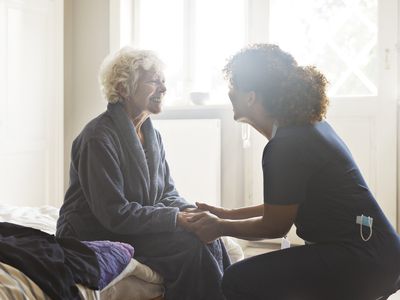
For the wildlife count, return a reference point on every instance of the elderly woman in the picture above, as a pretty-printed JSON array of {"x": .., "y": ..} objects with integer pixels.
[
  {"x": 311, "y": 180},
  {"x": 121, "y": 188}
]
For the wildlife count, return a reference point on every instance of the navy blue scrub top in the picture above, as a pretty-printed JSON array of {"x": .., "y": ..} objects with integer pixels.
[{"x": 311, "y": 166}]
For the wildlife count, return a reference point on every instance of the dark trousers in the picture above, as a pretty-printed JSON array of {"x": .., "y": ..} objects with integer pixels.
[
  {"x": 312, "y": 272},
  {"x": 191, "y": 270}
]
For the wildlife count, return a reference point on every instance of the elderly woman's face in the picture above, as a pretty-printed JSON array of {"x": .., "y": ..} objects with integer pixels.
[{"x": 149, "y": 92}]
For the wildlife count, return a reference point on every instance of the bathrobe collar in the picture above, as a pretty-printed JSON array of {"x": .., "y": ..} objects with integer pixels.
[{"x": 147, "y": 168}]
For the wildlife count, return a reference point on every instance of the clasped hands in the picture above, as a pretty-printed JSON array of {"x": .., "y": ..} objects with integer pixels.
[{"x": 205, "y": 221}]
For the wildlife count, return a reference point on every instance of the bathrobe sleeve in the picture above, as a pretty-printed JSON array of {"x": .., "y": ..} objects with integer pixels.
[
  {"x": 102, "y": 183},
  {"x": 170, "y": 196}
]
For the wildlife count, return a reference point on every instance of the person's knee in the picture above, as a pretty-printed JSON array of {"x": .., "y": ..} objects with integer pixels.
[
  {"x": 231, "y": 279},
  {"x": 187, "y": 241}
]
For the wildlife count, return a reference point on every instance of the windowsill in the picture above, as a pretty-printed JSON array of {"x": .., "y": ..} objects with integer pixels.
[
  {"x": 195, "y": 112},
  {"x": 192, "y": 107}
]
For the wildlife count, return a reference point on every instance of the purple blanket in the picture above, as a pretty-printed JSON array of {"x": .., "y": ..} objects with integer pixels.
[{"x": 113, "y": 257}]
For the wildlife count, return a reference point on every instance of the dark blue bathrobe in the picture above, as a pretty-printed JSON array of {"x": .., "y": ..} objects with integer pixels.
[{"x": 120, "y": 190}]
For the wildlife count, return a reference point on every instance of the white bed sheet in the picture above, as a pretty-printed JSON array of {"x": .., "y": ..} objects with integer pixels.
[{"x": 15, "y": 285}]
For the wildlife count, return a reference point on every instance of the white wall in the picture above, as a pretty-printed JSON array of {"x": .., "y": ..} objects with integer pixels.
[
  {"x": 86, "y": 43},
  {"x": 232, "y": 160},
  {"x": 398, "y": 120},
  {"x": 31, "y": 102}
]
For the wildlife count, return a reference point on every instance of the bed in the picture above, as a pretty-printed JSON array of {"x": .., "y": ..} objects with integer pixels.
[{"x": 135, "y": 281}]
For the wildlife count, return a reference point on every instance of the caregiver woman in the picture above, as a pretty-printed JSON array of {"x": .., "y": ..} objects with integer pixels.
[
  {"x": 121, "y": 188},
  {"x": 310, "y": 180}
]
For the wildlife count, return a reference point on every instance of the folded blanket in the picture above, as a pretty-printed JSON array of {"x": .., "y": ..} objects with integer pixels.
[
  {"x": 41, "y": 256},
  {"x": 113, "y": 257}
]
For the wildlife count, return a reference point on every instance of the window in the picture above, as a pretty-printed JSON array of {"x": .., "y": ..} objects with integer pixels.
[
  {"x": 338, "y": 36},
  {"x": 195, "y": 37}
]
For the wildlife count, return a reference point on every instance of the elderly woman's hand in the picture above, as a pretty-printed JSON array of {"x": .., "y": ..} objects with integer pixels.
[
  {"x": 181, "y": 220},
  {"x": 206, "y": 226}
]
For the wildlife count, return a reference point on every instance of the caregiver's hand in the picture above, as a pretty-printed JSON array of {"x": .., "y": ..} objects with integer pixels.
[
  {"x": 220, "y": 212},
  {"x": 192, "y": 209}
]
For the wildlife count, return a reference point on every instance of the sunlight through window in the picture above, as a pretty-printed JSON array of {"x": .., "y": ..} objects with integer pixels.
[{"x": 194, "y": 38}]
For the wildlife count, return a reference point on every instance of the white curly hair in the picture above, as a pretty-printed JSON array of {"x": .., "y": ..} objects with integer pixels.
[{"x": 120, "y": 71}]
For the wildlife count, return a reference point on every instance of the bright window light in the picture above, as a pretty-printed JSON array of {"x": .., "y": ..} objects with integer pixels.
[
  {"x": 194, "y": 38},
  {"x": 339, "y": 37}
]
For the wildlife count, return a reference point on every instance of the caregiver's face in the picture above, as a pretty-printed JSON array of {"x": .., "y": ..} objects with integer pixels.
[
  {"x": 149, "y": 92},
  {"x": 237, "y": 98}
]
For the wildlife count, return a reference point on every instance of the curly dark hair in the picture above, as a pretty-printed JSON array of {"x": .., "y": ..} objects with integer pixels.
[{"x": 291, "y": 94}]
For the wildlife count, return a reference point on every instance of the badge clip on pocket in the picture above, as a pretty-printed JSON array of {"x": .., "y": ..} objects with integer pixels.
[{"x": 365, "y": 221}]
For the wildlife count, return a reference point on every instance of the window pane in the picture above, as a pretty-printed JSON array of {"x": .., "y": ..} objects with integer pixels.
[
  {"x": 161, "y": 30},
  {"x": 337, "y": 36},
  {"x": 219, "y": 32},
  {"x": 194, "y": 38}
]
